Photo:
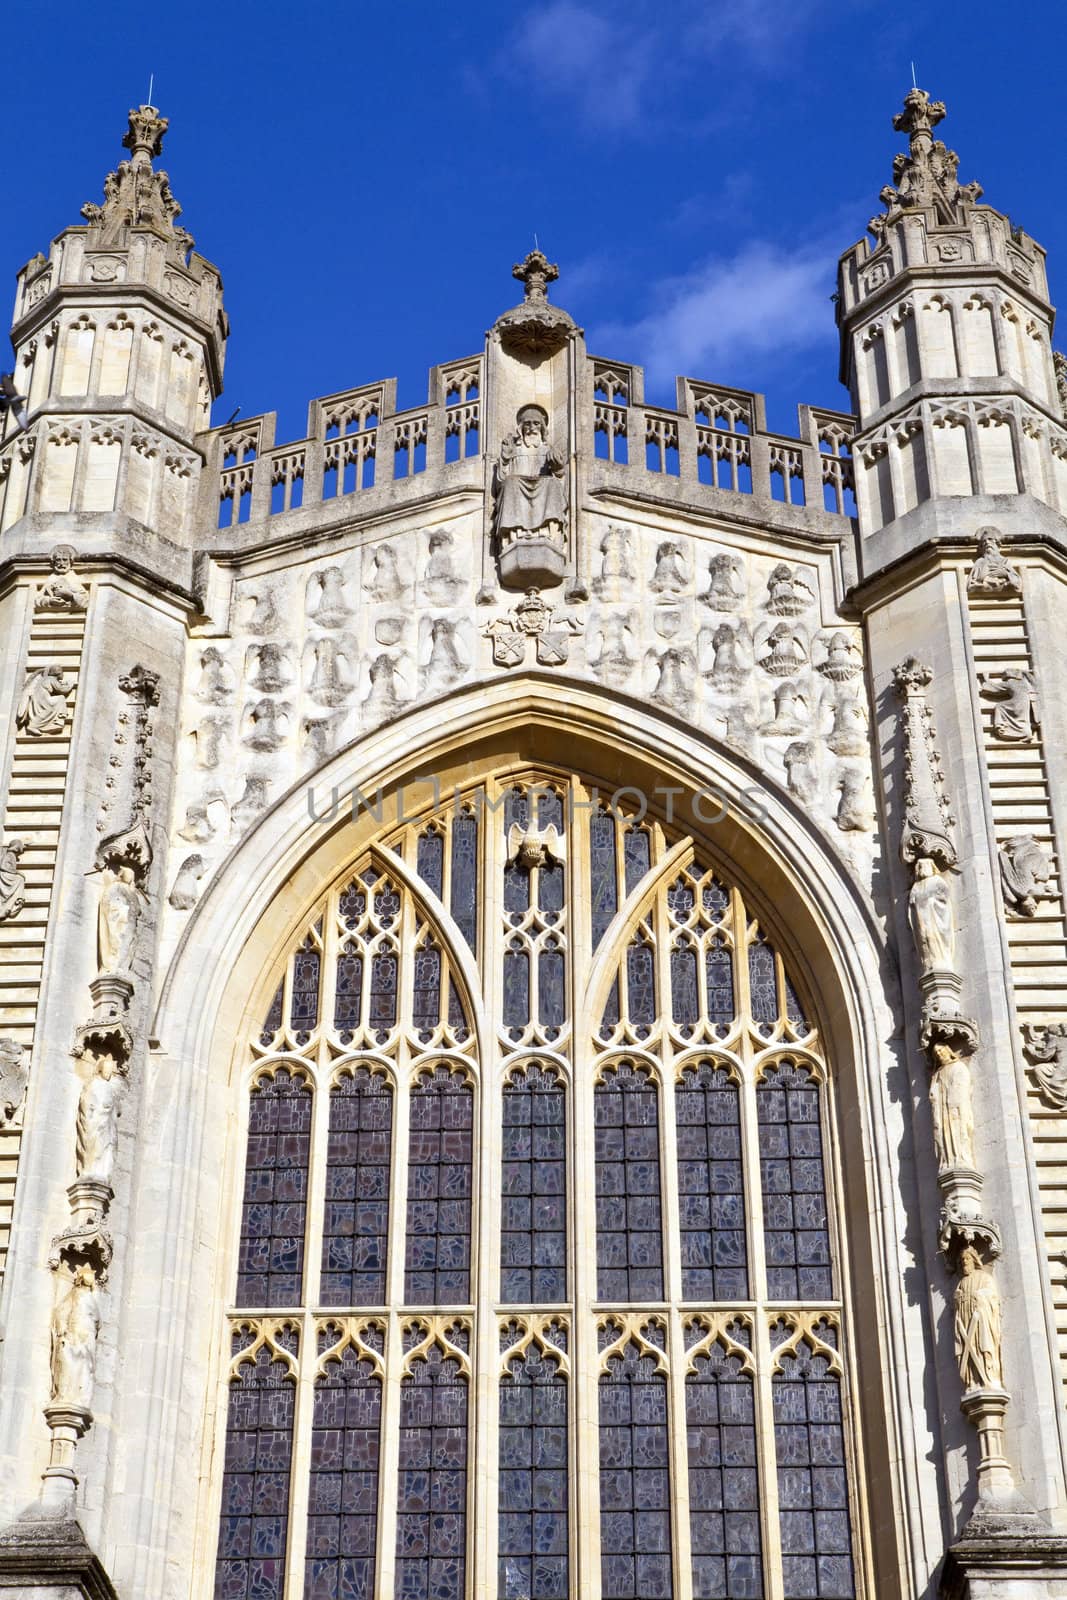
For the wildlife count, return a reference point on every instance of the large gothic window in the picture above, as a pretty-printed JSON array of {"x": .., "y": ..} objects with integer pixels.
[{"x": 537, "y": 1282}]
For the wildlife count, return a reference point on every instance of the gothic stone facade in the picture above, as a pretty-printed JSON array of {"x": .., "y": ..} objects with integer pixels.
[{"x": 534, "y": 759}]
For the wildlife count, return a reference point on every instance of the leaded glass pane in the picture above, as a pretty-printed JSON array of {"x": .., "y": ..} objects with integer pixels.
[
  {"x": 641, "y": 986},
  {"x": 795, "y": 1229},
  {"x": 348, "y": 997},
  {"x": 270, "y": 1260},
  {"x": 533, "y": 1242},
  {"x": 440, "y": 1172},
  {"x": 383, "y": 984},
  {"x": 343, "y": 1499},
  {"x": 636, "y": 856},
  {"x": 515, "y": 1013},
  {"x": 812, "y": 1478},
  {"x": 426, "y": 992},
  {"x": 635, "y": 1514},
  {"x": 273, "y": 1020},
  {"x": 763, "y": 992},
  {"x": 724, "y": 1523},
  {"x": 685, "y": 1005},
  {"x": 603, "y": 887},
  {"x": 464, "y": 889},
  {"x": 431, "y": 1530},
  {"x": 430, "y": 860},
  {"x": 532, "y": 1552},
  {"x": 304, "y": 1000},
  {"x": 254, "y": 1521},
  {"x": 356, "y": 1219},
  {"x": 711, "y": 1196},
  {"x": 719, "y": 976},
  {"x": 551, "y": 987},
  {"x": 629, "y": 1223}
]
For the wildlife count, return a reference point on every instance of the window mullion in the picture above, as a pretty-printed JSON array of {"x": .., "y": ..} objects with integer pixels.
[
  {"x": 300, "y": 1480},
  {"x": 389, "y": 1457}
]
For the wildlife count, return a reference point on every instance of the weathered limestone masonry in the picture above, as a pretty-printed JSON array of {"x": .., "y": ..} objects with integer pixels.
[{"x": 842, "y": 650}]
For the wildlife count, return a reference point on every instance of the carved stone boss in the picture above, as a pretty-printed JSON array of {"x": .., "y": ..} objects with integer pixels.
[
  {"x": 969, "y": 1239},
  {"x": 103, "y": 1045}
]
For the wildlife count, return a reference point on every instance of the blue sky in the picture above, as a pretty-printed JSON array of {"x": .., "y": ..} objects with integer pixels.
[{"x": 366, "y": 176}]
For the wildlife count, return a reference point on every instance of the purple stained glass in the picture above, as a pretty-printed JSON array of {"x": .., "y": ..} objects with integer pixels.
[
  {"x": 681, "y": 899},
  {"x": 635, "y": 1466},
  {"x": 763, "y": 990},
  {"x": 353, "y": 904},
  {"x": 426, "y": 992},
  {"x": 711, "y": 1195},
  {"x": 515, "y": 1012},
  {"x": 383, "y": 983},
  {"x": 685, "y": 1003},
  {"x": 355, "y": 1227},
  {"x": 794, "y": 1010},
  {"x": 628, "y": 1218},
  {"x": 304, "y": 999},
  {"x": 636, "y": 856},
  {"x": 551, "y": 987},
  {"x": 604, "y": 893},
  {"x": 610, "y": 1020},
  {"x": 724, "y": 1519},
  {"x": 431, "y": 1534},
  {"x": 532, "y": 1536},
  {"x": 342, "y": 1524},
  {"x": 430, "y": 860},
  {"x": 716, "y": 898},
  {"x": 719, "y": 976},
  {"x": 271, "y": 1249},
  {"x": 464, "y": 880},
  {"x": 387, "y": 905},
  {"x": 440, "y": 1177},
  {"x": 348, "y": 998},
  {"x": 254, "y": 1520},
  {"x": 516, "y": 876},
  {"x": 812, "y": 1478},
  {"x": 273, "y": 1020},
  {"x": 533, "y": 1216},
  {"x": 796, "y": 1233},
  {"x": 641, "y": 985}
]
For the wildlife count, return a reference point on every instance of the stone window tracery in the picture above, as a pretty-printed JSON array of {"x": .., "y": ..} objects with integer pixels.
[{"x": 538, "y": 1195}]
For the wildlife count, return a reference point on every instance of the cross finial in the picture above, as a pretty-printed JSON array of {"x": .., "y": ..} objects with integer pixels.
[
  {"x": 919, "y": 117},
  {"x": 535, "y": 273},
  {"x": 144, "y": 138}
]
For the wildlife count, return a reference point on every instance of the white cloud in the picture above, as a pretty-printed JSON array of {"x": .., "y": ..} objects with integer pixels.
[{"x": 761, "y": 300}]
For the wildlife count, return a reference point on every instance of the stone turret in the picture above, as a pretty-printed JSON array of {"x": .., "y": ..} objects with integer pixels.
[
  {"x": 945, "y": 345},
  {"x": 119, "y": 339}
]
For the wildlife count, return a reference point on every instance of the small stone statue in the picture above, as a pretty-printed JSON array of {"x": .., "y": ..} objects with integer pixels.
[
  {"x": 440, "y": 581},
  {"x": 784, "y": 653},
  {"x": 932, "y": 922},
  {"x": 183, "y": 896},
  {"x": 842, "y": 660},
  {"x": 677, "y": 675},
  {"x": 617, "y": 572},
  {"x": 271, "y": 667},
  {"x": 848, "y": 732},
  {"x": 383, "y": 696},
  {"x": 75, "y": 1325},
  {"x": 1046, "y": 1049},
  {"x": 116, "y": 926},
  {"x": 265, "y": 724},
  {"x": 802, "y": 777},
  {"x": 330, "y": 684},
  {"x": 670, "y": 576},
  {"x": 42, "y": 707},
  {"x": 197, "y": 827},
  {"x": 992, "y": 574},
  {"x": 99, "y": 1109},
  {"x": 790, "y": 711},
  {"x": 216, "y": 678},
  {"x": 728, "y": 670},
  {"x": 331, "y": 609},
  {"x": 616, "y": 659},
  {"x": 1015, "y": 717},
  {"x": 1025, "y": 870},
  {"x": 13, "y": 1078},
  {"x": 62, "y": 591},
  {"x": 726, "y": 590},
  {"x": 977, "y": 1324},
  {"x": 12, "y": 881},
  {"x": 950, "y": 1106},
  {"x": 445, "y": 665},
  {"x": 854, "y": 811},
  {"x": 531, "y": 498},
  {"x": 788, "y": 593},
  {"x": 384, "y": 581}
]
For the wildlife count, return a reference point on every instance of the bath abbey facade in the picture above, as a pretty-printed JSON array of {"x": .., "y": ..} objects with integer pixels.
[{"x": 533, "y": 964}]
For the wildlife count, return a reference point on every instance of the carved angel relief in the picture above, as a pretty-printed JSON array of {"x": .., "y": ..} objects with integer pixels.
[
  {"x": 1045, "y": 1047},
  {"x": 992, "y": 574}
]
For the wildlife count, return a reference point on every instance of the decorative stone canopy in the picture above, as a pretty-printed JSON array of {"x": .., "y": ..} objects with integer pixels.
[
  {"x": 926, "y": 177},
  {"x": 535, "y": 327},
  {"x": 135, "y": 195}
]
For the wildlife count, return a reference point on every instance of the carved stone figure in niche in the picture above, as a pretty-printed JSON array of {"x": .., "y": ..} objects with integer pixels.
[
  {"x": 802, "y": 776},
  {"x": 676, "y": 680},
  {"x": 1015, "y": 717},
  {"x": 383, "y": 697},
  {"x": 99, "y": 1109},
  {"x": 209, "y": 736},
  {"x": 1046, "y": 1049},
  {"x": 12, "y": 881},
  {"x": 265, "y": 724},
  {"x": 252, "y": 800},
  {"x": 1025, "y": 870},
  {"x": 784, "y": 652},
  {"x": 670, "y": 575},
  {"x": 116, "y": 923},
  {"x": 186, "y": 890},
  {"x": 440, "y": 581},
  {"x": 330, "y": 684},
  {"x": 951, "y": 1109},
  {"x": 75, "y": 1325},
  {"x": 729, "y": 668},
  {"x": 992, "y": 573},
  {"x": 842, "y": 661},
  {"x": 530, "y": 514},
  {"x": 726, "y": 589},
  {"x": 271, "y": 667},
  {"x": 264, "y": 618},
  {"x": 848, "y": 732},
  {"x": 445, "y": 665},
  {"x": 978, "y": 1324},
  {"x": 217, "y": 681},
  {"x": 197, "y": 827},
  {"x": 617, "y": 657},
  {"x": 618, "y": 572},
  {"x": 13, "y": 1078},
  {"x": 62, "y": 591},
  {"x": 383, "y": 580},
  {"x": 854, "y": 810},
  {"x": 326, "y": 603},
  {"x": 933, "y": 923},
  {"x": 42, "y": 707},
  {"x": 788, "y": 592},
  {"x": 790, "y": 712}
]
